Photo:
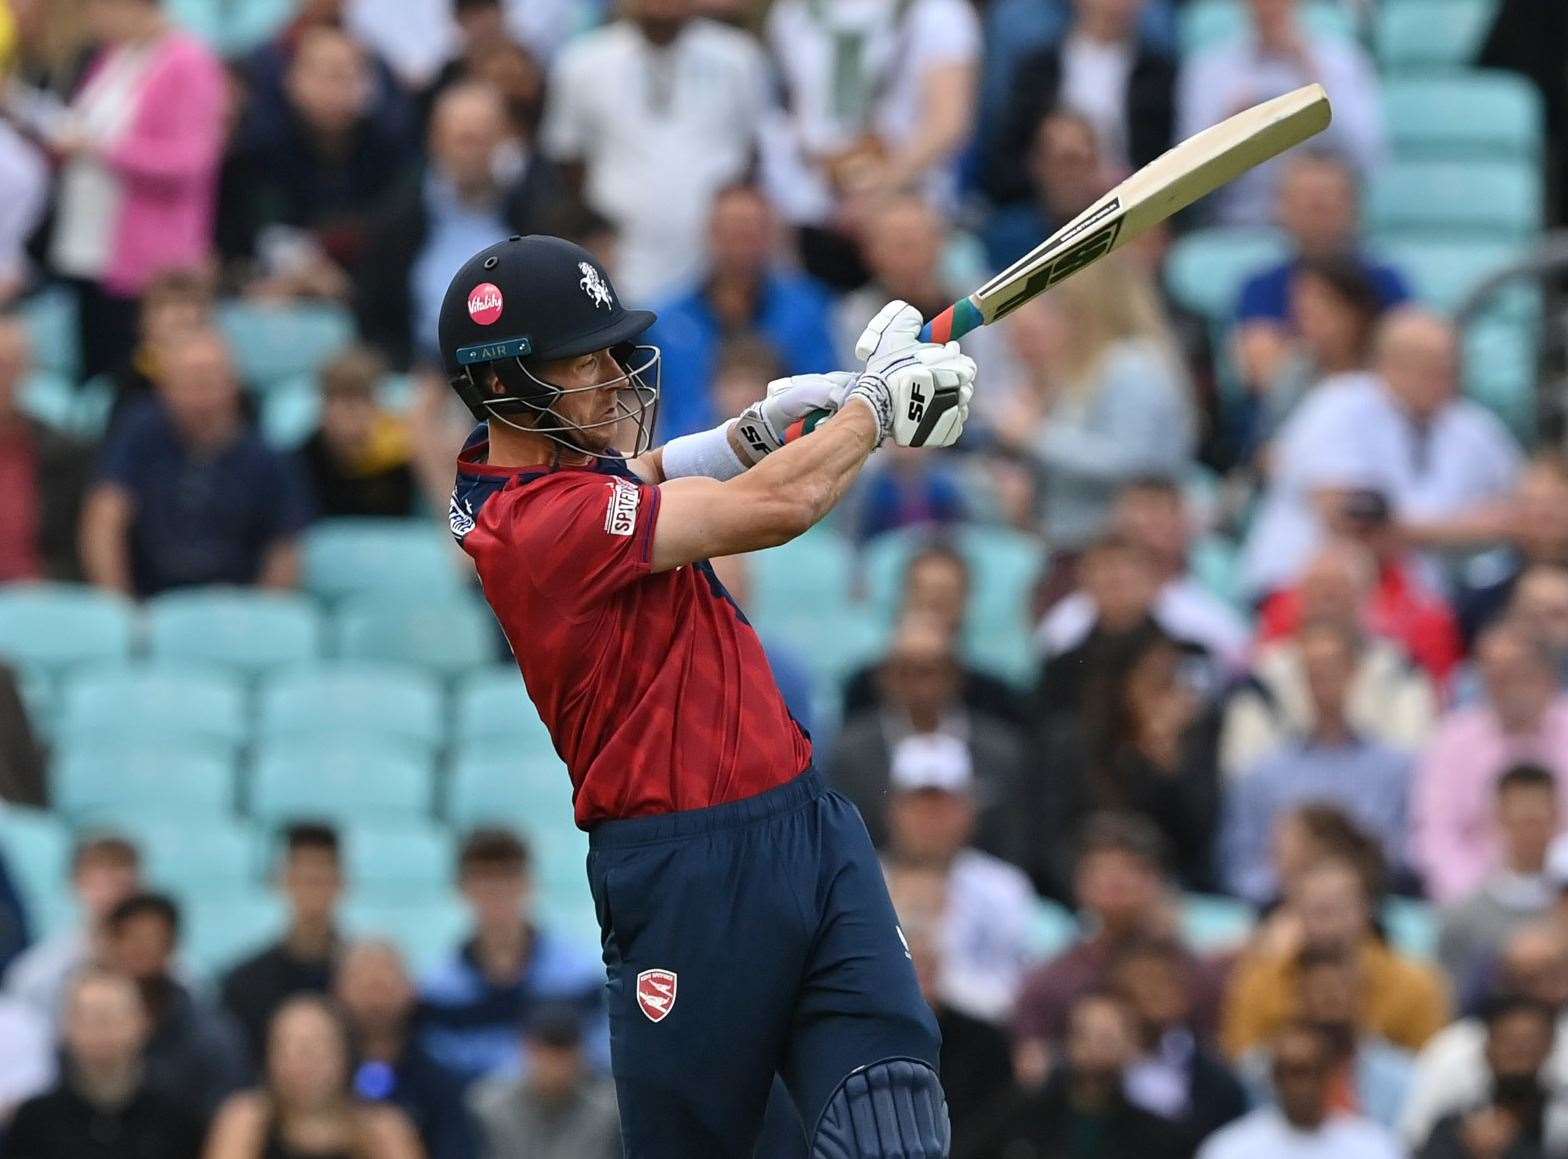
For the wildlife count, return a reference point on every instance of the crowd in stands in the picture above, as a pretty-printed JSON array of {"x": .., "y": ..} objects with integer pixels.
[{"x": 1262, "y": 848}]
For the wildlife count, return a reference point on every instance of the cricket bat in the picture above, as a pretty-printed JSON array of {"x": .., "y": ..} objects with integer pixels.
[{"x": 1165, "y": 186}]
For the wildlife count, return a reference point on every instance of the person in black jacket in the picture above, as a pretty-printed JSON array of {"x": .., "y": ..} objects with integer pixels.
[
  {"x": 479, "y": 186},
  {"x": 103, "y": 1106},
  {"x": 1135, "y": 119}
]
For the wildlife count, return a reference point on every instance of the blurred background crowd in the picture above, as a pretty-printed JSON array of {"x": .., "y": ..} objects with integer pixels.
[{"x": 1209, "y": 702}]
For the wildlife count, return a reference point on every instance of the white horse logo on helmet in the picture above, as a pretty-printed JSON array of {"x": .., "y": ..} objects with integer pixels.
[{"x": 593, "y": 285}]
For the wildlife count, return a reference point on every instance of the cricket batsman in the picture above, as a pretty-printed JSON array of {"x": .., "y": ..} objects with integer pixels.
[{"x": 746, "y": 928}]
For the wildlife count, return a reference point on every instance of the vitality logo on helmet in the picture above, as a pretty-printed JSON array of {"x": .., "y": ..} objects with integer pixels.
[{"x": 484, "y": 303}]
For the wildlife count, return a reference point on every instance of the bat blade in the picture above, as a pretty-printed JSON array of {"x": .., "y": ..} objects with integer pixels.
[{"x": 1167, "y": 185}]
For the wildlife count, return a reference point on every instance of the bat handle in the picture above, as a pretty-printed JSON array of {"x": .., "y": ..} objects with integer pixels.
[{"x": 952, "y": 323}]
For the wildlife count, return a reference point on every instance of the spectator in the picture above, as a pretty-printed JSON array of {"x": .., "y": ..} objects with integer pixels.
[
  {"x": 1539, "y": 535},
  {"x": 174, "y": 303},
  {"x": 1445, "y": 463},
  {"x": 745, "y": 289},
  {"x": 1399, "y": 606},
  {"x": 307, "y": 1108},
  {"x": 1303, "y": 838},
  {"x": 1083, "y": 1111},
  {"x": 105, "y": 870},
  {"x": 1109, "y": 404},
  {"x": 1540, "y": 603},
  {"x": 975, "y": 1063},
  {"x": 359, "y": 459},
  {"x": 484, "y": 49},
  {"x": 192, "y": 1047},
  {"x": 24, "y": 200},
  {"x": 1145, "y": 740},
  {"x": 372, "y": 987},
  {"x": 1067, "y": 172},
  {"x": 1105, "y": 69},
  {"x": 303, "y": 178},
  {"x": 1329, "y": 911},
  {"x": 475, "y": 999},
  {"x": 920, "y": 682},
  {"x": 1152, "y": 513},
  {"x": 650, "y": 154},
  {"x": 988, "y": 906},
  {"x": 937, "y": 584},
  {"x": 907, "y": 488},
  {"x": 1452, "y": 1075},
  {"x": 1302, "y": 1123},
  {"x": 1521, "y": 889},
  {"x": 42, "y": 474},
  {"x": 559, "y": 1109},
  {"x": 186, "y": 493},
  {"x": 1175, "y": 1076},
  {"x": 1122, "y": 896},
  {"x": 1280, "y": 54},
  {"x": 478, "y": 186},
  {"x": 1370, "y": 1076},
  {"x": 879, "y": 99},
  {"x": 141, "y": 150},
  {"x": 28, "y": 1046},
  {"x": 1389, "y": 700},
  {"x": 1330, "y": 763},
  {"x": 310, "y": 876},
  {"x": 1525, "y": 718},
  {"x": 105, "y": 1105},
  {"x": 1318, "y": 211},
  {"x": 1514, "y": 1121}
]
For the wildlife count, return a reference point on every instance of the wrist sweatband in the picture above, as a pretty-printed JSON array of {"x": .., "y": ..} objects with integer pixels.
[{"x": 706, "y": 453}]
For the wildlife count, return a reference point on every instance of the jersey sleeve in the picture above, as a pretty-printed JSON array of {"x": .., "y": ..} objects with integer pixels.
[{"x": 583, "y": 538}]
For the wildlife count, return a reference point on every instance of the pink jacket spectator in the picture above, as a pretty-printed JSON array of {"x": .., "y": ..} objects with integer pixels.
[
  {"x": 168, "y": 159},
  {"x": 1454, "y": 836}
]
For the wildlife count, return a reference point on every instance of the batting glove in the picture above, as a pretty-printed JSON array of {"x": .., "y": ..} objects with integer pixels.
[
  {"x": 768, "y": 424},
  {"x": 920, "y": 395}
]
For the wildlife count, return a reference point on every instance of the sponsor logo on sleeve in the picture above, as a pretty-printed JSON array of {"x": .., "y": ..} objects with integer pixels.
[{"x": 620, "y": 517}]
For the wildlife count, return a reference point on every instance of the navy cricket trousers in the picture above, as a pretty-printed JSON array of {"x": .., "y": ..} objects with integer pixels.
[{"x": 742, "y": 941}]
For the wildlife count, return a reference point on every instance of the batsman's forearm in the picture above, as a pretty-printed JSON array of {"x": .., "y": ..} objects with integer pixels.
[{"x": 819, "y": 468}]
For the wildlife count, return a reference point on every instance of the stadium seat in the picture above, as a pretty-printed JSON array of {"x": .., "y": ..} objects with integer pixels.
[
  {"x": 245, "y": 26},
  {"x": 399, "y": 862},
  {"x": 202, "y": 18},
  {"x": 1004, "y": 565},
  {"x": 1412, "y": 926},
  {"x": 493, "y": 705},
  {"x": 273, "y": 344},
  {"x": 51, "y": 321},
  {"x": 218, "y": 858},
  {"x": 53, "y": 626},
  {"x": 290, "y": 412},
  {"x": 1053, "y": 929},
  {"x": 447, "y": 638},
  {"x": 103, "y": 780},
  {"x": 493, "y": 785},
  {"x": 814, "y": 570},
  {"x": 1442, "y": 272},
  {"x": 41, "y": 699},
  {"x": 347, "y": 557},
  {"x": 250, "y": 632},
  {"x": 339, "y": 780},
  {"x": 49, "y": 398},
  {"x": 1486, "y": 199},
  {"x": 392, "y": 700},
  {"x": 832, "y": 640},
  {"x": 1431, "y": 34},
  {"x": 1501, "y": 371},
  {"x": 1207, "y": 268},
  {"x": 1205, "y": 23},
  {"x": 37, "y": 850},
  {"x": 155, "y": 702},
  {"x": 1476, "y": 115},
  {"x": 1210, "y": 923},
  {"x": 221, "y": 930},
  {"x": 428, "y": 932}
]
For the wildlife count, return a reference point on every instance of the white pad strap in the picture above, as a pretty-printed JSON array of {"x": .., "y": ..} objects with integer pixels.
[{"x": 706, "y": 453}]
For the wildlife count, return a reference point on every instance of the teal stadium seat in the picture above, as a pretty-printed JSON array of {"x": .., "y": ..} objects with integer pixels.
[
  {"x": 202, "y": 18},
  {"x": 831, "y": 639},
  {"x": 55, "y": 626},
  {"x": 51, "y": 322},
  {"x": 812, "y": 571},
  {"x": 1476, "y": 115},
  {"x": 406, "y": 862},
  {"x": 493, "y": 705},
  {"x": 272, "y": 344},
  {"x": 1053, "y": 929},
  {"x": 41, "y": 699},
  {"x": 1004, "y": 565},
  {"x": 218, "y": 858},
  {"x": 347, "y": 557},
  {"x": 428, "y": 932},
  {"x": 1211, "y": 923},
  {"x": 394, "y": 701},
  {"x": 37, "y": 849},
  {"x": 493, "y": 784},
  {"x": 221, "y": 930},
  {"x": 446, "y": 638},
  {"x": 340, "y": 780},
  {"x": 1501, "y": 371},
  {"x": 291, "y": 412},
  {"x": 155, "y": 703},
  {"x": 246, "y": 26},
  {"x": 1207, "y": 268},
  {"x": 1431, "y": 35},
  {"x": 1205, "y": 23},
  {"x": 1412, "y": 926},
  {"x": 103, "y": 781},
  {"x": 1444, "y": 273},
  {"x": 248, "y": 632},
  {"x": 1486, "y": 199}
]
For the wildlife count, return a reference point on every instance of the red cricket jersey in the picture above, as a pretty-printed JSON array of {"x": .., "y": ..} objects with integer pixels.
[{"x": 654, "y": 686}]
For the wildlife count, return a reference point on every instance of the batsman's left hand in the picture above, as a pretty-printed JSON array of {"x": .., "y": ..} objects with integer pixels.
[{"x": 766, "y": 425}]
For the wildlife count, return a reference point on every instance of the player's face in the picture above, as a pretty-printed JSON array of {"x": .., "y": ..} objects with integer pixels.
[{"x": 581, "y": 406}]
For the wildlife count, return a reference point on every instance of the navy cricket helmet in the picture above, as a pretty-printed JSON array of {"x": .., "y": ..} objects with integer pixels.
[{"x": 530, "y": 300}]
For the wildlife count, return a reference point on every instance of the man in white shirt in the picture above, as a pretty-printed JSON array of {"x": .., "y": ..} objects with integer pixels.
[
  {"x": 1279, "y": 54},
  {"x": 988, "y": 904},
  {"x": 1447, "y": 464},
  {"x": 1300, "y": 1125},
  {"x": 653, "y": 115}
]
